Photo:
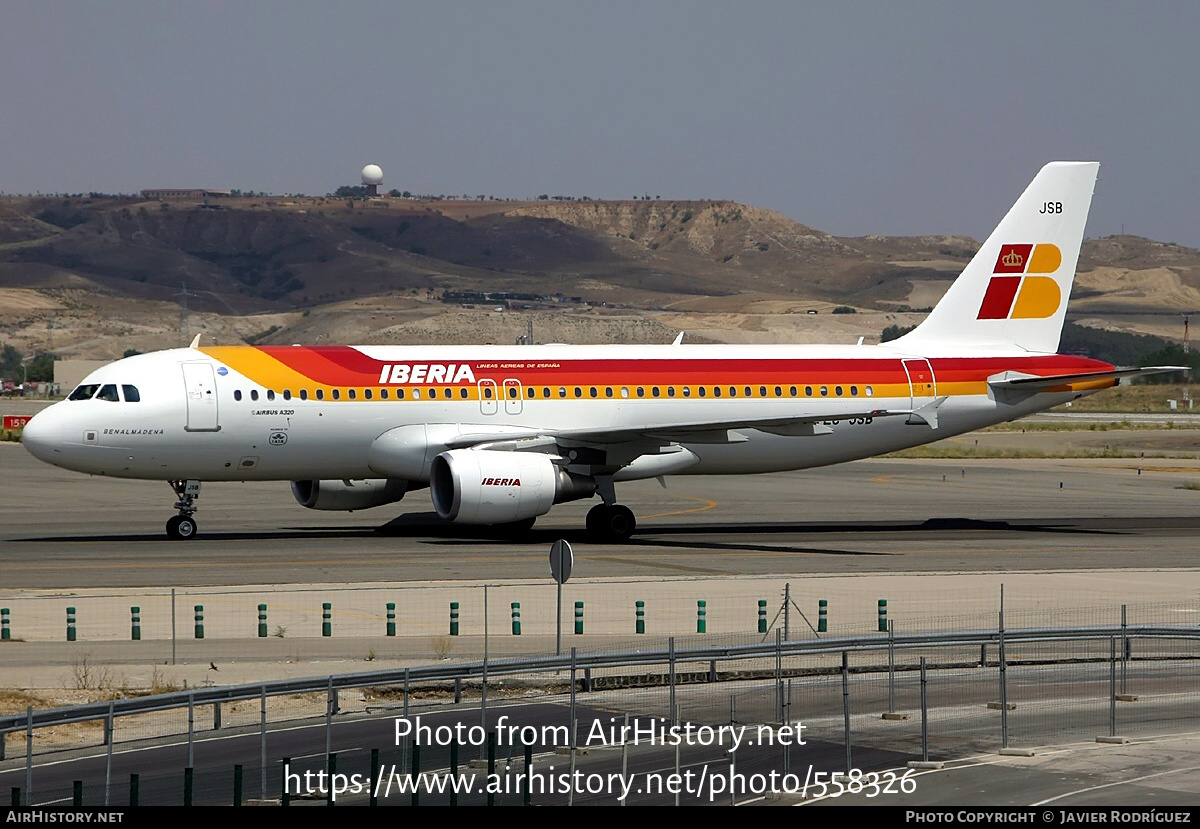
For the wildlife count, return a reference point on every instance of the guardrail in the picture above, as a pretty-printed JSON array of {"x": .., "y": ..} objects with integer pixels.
[{"x": 576, "y": 662}]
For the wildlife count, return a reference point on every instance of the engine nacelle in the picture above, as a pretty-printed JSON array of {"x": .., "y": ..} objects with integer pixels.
[
  {"x": 484, "y": 486},
  {"x": 349, "y": 495}
]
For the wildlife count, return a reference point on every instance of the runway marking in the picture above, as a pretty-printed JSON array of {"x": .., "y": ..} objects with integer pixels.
[
  {"x": 1116, "y": 783},
  {"x": 644, "y": 563},
  {"x": 708, "y": 504}
]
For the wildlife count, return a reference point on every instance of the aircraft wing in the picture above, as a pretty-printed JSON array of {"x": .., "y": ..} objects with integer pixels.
[
  {"x": 697, "y": 431},
  {"x": 1036, "y": 382}
]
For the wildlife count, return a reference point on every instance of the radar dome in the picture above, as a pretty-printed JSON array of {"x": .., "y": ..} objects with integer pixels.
[{"x": 372, "y": 174}]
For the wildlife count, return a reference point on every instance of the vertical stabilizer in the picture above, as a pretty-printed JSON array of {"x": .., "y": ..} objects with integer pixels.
[{"x": 1013, "y": 294}]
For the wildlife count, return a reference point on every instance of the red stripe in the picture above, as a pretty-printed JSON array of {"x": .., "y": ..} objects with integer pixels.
[{"x": 999, "y": 298}]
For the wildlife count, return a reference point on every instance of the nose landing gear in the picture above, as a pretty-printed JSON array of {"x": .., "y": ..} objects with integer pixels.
[{"x": 183, "y": 526}]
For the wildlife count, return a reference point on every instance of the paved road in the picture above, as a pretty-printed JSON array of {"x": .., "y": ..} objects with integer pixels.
[{"x": 64, "y": 530}]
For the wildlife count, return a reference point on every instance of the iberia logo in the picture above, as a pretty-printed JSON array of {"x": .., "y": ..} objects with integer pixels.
[{"x": 1019, "y": 292}]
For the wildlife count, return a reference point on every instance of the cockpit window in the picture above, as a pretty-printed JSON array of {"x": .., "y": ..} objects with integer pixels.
[
  {"x": 108, "y": 392},
  {"x": 131, "y": 394},
  {"x": 84, "y": 392}
]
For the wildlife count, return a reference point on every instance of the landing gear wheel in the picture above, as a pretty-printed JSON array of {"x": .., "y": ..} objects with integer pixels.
[
  {"x": 610, "y": 523},
  {"x": 181, "y": 527}
]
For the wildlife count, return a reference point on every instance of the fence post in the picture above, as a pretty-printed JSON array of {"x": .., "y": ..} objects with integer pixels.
[
  {"x": 640, "y": 614},
  {"x": 701, "y": 614},
  {"x": 198, "y": 621},
  {"x": 70, "y": 624},
  {"x": 516, "y": 618},
  {"x": 823, "y": 616},
  {"x": 391, "y": 618},
  {"x": 327, "y": 618},
  {"x": 762, "y": 615},
  {"x": 578, "y": 617},
  {"x": 237, "y": 784},
  {"x": 262, "y": 621},
  {"x": 883, "y": 625},
  {"x": 924, "y": 715},
  {"x": 846, "y": 706},
  {"x": 454, "y": 618},
  {"x": 187, "y": 785},
  {"x": 4, "y": 631},
  {"x": 134, "y": 790},
  {"x": 135, "y": 623},
  {"x": 1003, "y": 687}
]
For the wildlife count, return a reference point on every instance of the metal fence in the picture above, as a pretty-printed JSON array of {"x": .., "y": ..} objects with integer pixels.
[{"x": 862, "y": 704}]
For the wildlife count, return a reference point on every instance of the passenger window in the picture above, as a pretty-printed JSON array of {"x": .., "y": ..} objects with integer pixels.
[
  {"x": 84, "y": 392},
  {"x": 624, "y": 391},
  {"x": 416, "y": 394},
  {"x": 462, "y": 393},
  {"x": 791, "y": 391},
  {"x": 352, "y": 394},
  {"x": 687, "y": 391},
  {"x": 749, "y": 391},
  {"x": 399, "y": 394},
  {"x": 303, "y": 394},
  {"x": 131, "y": 394},
  {"x": 337, "y": 394},
  {"x": 854, "y": 391},
  {"x": 670, "y": 391},
  {"x": 808, "y": 391},
  {"x": 367, "y": 394},
  {"x": 762, "y": 391},
  {"x": 824, "y": 391},
  {"x": 545, "y": 391},
  {"x": 716, "y": 391},
  {"x": 578, "y": 392},
  {"x": 383, "y": 394},
  {"x": 562, "y": 392},
  {"x": 593, "y": 391},
  {"x": 641, "y": 392},
  {"x": 703, "y": 391},
  {"x": 487, "y": 392},
  {"x": 654, "y": 391},
  {"x": 837, "y": 390},
  {"x": 253, "y": 394},
  {"x": 608, "y": 391},
  {"x": 237, "y": 394},
  {"x": 287, "y": 394},
  {"x": 779, "y": 391},
  {"x": 320, "y": 394},
  {"x": 270, "y": 394},
  {"x": 870, "y": 391},
  {"x": 512, "y": 391},
  {"x": 530, "y": 392}
]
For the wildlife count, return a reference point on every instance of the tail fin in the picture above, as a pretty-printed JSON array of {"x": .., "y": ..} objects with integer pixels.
[{"x": 1013, "y": 294}]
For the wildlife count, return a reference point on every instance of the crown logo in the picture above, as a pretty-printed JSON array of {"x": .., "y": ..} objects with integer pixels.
[{"x": 1012, "y": 259}]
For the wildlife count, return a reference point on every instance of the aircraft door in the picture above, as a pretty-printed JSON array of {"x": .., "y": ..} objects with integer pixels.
[
  {"x": 487, "y": 397},
  {"x": 921, "y": 382},
  {"x": 200, "y": 385},
  {"x": 512, "y": 396}
]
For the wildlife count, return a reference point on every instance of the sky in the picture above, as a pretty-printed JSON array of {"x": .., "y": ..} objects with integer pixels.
[{"x": 852, "y": 117}]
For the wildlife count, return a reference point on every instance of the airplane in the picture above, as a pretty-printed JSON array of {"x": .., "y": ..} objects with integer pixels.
[{"x": 499, "y": 434}]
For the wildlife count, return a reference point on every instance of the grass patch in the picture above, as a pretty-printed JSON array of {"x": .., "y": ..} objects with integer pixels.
[
  {"x": 960, "y": 452},
  {"x": 1193, "y": 485}
]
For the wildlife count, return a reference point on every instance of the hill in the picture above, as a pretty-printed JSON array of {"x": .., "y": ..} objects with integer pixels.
[{"x": 95, "y": 275}]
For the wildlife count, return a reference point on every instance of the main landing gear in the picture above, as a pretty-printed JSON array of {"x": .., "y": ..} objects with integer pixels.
[
  {"x": 611, "y": 522},
  {"x": 183, "y": 526}
]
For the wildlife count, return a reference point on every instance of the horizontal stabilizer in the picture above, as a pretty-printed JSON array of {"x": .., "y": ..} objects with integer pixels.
[{"x": 1036, "y": 382}]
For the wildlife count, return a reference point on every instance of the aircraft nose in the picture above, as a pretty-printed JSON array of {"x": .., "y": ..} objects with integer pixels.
[{"x": 42, "y": 437}]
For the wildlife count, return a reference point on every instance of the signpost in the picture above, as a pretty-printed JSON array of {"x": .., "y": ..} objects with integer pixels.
[{"x": 562, "y": 558}]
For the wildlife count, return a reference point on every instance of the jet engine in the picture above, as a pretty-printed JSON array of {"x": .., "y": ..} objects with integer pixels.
[
  {"x": 484, "y": 486},
  {"x": 349, "y": 495}
]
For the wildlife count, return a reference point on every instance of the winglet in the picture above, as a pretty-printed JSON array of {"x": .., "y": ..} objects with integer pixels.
[
  {"x": 195, "y": 342},
  {"x": 679, "y": 339}
]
